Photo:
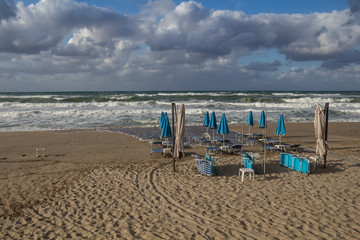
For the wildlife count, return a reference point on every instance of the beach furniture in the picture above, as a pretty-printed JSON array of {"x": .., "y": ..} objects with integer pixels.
[
  {"x": 205, "y": 166},
  {"x": 156, "y": 150},
  {"x": 216, "y": 141},
  {"x": 238, "y": 136},
  {"x": 288, "y": 148},
  {"x": 212, "y": 150},
  {"x": 271, "y": 141},
  {"x": 248, "y": 161},
  {"x": 156, "y": 147},
  {"x": 252, "y": 161},
  {"x": 167, "y": 152},
  {"x": 194, "y": 140},
  {"x": 270, "y": 148},
  {"x": 205, "y": 139},
  {"x": 167, "y": 144},
  {"x": 250, "y": 141},
  {"x": 243, "y": 171},
  {"x": 232, "y": 149},
  {"x": 235, "y": 149},
  {"x": 294, "y": 147},
  {"x": 281, "y": 147},
  {"x": 159, "y": 147},
  {"x": 298, "y": 163},
  {"x": 155, "y": 137}
]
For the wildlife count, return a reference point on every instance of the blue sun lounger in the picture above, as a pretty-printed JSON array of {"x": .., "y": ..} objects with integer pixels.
[
  {"x": 232, "y": 149},
  {"x": 248, "y": 161},
  {"x": 270, "y": 148},
  {"x": 296, "y": 162},
  {"x": 205, "y": 166}
]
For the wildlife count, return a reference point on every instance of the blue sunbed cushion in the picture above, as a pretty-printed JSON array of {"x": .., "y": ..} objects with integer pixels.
[{"x": 156, "y": 150}]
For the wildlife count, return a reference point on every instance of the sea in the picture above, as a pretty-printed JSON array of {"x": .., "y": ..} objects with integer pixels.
[{"x": 28, "y": 111}]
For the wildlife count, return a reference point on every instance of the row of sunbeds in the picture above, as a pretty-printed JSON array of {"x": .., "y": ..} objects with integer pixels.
[{"x": 161, "y": 146}]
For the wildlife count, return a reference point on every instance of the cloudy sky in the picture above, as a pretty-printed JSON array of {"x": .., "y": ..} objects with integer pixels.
[{"x": 68, "y": 45}]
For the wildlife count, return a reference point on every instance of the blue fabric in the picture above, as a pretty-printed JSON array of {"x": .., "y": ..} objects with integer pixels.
[
  {"x": 262, "y": 120},
  {"x": 208, "y": 157},
  {"x": 206, "y": 120},
  {"x": 250, "y": 119},
  {"x": 223, "y": 126},
  {"x": 280, "y": 128},
  {"x": 164, "y": 120},
  {"x": 295, "y": 162},
  {"x": 161, "y": 119},
  {"x": 248, "y": 161},
  {"x": 212, "y": 123},
  {"x": 166, "y": 130}
]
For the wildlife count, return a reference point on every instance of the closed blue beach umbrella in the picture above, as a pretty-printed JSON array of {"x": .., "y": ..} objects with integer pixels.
[
  {"x": 166, "y": 130},
  {"x": 212, "y": 123},
  {"x": 206, "y": 121},
  {"x": 262, "y": 119},
  {"x": 262, "y": 122},
  {"x": 161, "y": 119},
  {"x": 223, "y": 127},
  {"x": 280, "y": 128},
  {"x": 250, "y": 120}
]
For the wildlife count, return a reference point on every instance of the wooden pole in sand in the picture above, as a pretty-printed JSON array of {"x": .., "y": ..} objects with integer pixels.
[
  {"x": 326, "y": 127},
  {"x": 242, "y": 130},
  {"x": 173, "y": 135},
  {"x": 265, "y": 141}
]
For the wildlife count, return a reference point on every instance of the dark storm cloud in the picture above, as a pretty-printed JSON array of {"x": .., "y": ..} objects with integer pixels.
[
  {"x": 7, "y": 9},
  {"x": 156, "y": 46},
  {"x": 354, "y": 5},
  {"x": 343, "y": 60}
]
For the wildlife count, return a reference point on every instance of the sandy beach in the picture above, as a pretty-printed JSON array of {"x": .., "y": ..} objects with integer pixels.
[{"x": 102, "y": 185}]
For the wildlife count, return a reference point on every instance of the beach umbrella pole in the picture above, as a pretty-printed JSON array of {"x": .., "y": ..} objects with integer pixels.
[
  {"x": 264, "y": 159},
  {"x": 326, "y": 127},
  {"x": 242, "y": 129},
  {"x": 173, "y": 135}
]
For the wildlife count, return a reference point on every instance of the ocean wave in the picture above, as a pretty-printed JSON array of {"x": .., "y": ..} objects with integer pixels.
[{"x": 44, "y": 111}]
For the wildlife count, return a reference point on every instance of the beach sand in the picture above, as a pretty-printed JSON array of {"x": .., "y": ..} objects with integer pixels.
[{"x": 103, "y": 185}]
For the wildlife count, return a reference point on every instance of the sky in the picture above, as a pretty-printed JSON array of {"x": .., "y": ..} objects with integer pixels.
[{"x": 162, "y": 45}]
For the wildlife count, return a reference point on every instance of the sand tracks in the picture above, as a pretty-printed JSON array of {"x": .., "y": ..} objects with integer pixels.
[
  {"x": 152, "y": 185},
  {"x": 149, "y": 201}
]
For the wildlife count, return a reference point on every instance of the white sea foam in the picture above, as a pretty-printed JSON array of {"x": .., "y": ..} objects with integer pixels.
[{"x": 82, "y": 110}]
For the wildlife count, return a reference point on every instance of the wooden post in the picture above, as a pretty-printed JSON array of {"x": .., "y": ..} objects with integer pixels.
[
  {"x": 265, "y": 142},
  {"x": 242, "y": 130},
  {"x": 173, "y": 134},
  {"x": 326, "y": 111}
]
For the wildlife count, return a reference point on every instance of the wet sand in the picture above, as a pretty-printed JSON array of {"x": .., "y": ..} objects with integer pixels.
[{"x": 103, "y": 185}]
